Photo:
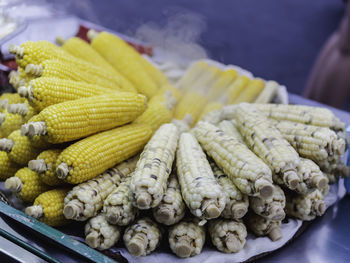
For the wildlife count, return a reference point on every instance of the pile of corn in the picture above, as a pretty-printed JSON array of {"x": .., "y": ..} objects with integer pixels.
[{"x": 97, "y": 134}]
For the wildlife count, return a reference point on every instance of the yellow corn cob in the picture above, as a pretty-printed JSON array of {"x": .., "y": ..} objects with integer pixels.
[
  {"x": 200, "y": 191},
  {"x": 172, "y": 207},
  {"x": 101, "y": 235},
  {"x": 186, "y": 239},
  {"x": 186, "y": 106},
  {"x": 261, "y": 226},
  {"x": 48, "y": 207},
  {"x": 236, "y": 202},
  {"x": 227, "y": 235},
  {"x": 303, "y": 114},
  {"x": 80, "y": 71},
  {"x": 142, "y": 237},
  {"x": 268, "y": 143},
  {"x": 125, "y": 60},
  {"x": 182, "y": 125},
  {"x": 45, "y": 166},
  {"x": 206, "y": 81},
  {"x": 9, "y": 98},
  {"x": 271, "y": 208},
  {"x": 71, "y": 120},
  {"x": 36, "y": 141},
  {"x": 157, "y": 75},
  {"x": 251, "y": 92},
  {"x": 312, "y": 142},
  {"x": 118, "y": 205},
  {"x": 236, "y": 88},
  {"x": 211, "y": 106},
  {"x": 86, "y": 199},
  {"x": 79, "y": 48},
  {"x": 248, "y": 172},
  {"x": 191, "y": 75},
  {"x": 91, "y": 156},
  {"x": 7, "y": 167},
  {"x": 268, "y": 93},
  {"x": 306, "y": 207},
  {"x": 43, "y": 92},
  {"x": 149, "y": 180},
  {"x": 229, "y": 127},
  {"x": 223, "y": 81},
  {"x": 312, "y": 176},
  {"x": 9, "y": 122},
  {"x": 26, "y": 184},
  {"x": 23, "y": 109},
  {"x": 18, "y": 148}
]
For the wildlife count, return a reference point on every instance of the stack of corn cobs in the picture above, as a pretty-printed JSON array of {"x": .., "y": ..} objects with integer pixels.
[{"x": 96, "y": 133}]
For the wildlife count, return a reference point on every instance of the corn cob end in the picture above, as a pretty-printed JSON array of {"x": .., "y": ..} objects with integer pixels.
[
  {"x": 212, "y": 211},
  {"x": 4, "y": 103},
  {"x": 16, "y": 50},
  {"x": 38, "y": 166},
  {"x": 165, "y": 214},
  {"x": 183, "y": 247},
  {"x": 291, "y": 179},
  {"x": 137, "y": 244},
  {"x": 264, "y": 188},
  {"x": 278, "y": 212},
  {"x": 275, "y": 234},
  {"x": 232, "y": 242},
  {"x": 319, "y": 182},
  {"x": 6, "y": 145},
  {"x": 35, "y": 211},
  {"x": 319, "y": 207},
  {"x": 239, "y": 210},
  {"x": 37, "y": 128},
  {"x": 73, "y": 209},
  {"x": 14, "y": 184},
  {"x": 93, "y": 239},
  {"x": 114, "y": 215},
  {"x": 26, "y": 92},
  {"x": 19, "y": 108},
  {"x": 24, "y": 129},
  {"x": 35, "y": 70},
  {"x": 339, "y": 146},
  {"x": 144, "y": 200}
]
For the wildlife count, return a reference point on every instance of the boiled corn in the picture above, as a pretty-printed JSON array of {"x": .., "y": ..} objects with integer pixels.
[
  {"x": 261, "y": 226},
  {"x": 8, "y": 168}
]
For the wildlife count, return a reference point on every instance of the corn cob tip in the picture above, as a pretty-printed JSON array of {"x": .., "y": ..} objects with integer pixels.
[
  {"x": 91, "y": 34},
  {"x": 26, "y": 92},
  {"x": 37, "y": 128},
  {"x": 137, "y": 245},
  {"x": 16, "y": 50},
  {"x": 239, "y": 210},
  {"x": 212, "y": 211},
  {"x": 232, "y": 242},
  {"x": 73, "y": 209},
  {"x": 35, "y": 211},
  {"x": 319, "y": 207},
  {"x": 278, "y": 212},
  {"x": 60, "y": 40},
  {"x": 165, "y": 214},
  {"x": 320, "y": 182},
  {"x": 264, "y": 188},
  {"x": 4, "y": 103},
  {"x": 6, "y": 145},
  {"x": 291, "y": 179},
  {"x": 62, "y": 171},
  {"x": 144, "y": 200},
  {"x": 93, "y": 239},
  {"x": 2, "y": 117},
  {"x": 14, "y": 184},
  {"x": 38, "y": 166},
  {"x": 19, "y": 108},
  {"x": 35, "y": 70},
  {"x": 24, "y": 129},
  {"x": 114, "y": 215},
  {"x": 275, "y": 234},
  {"x": 183, "y": 247}
]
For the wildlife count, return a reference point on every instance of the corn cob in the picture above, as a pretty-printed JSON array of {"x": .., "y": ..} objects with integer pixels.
[
  {"x": 118, "y": 205},
  {"x": 270, "y": 208},
  {"x": 8, "y": 168},
  {"x": 229, "y": 127},
  {"x": 36, "y": 141},
  {"x": 225, "y": 78},
  {"x": 26, "y": 185},
  {"x": 201, "y": 192},
  {"x": 236, "y": 202},
  {"x": 142, "y": 237},
  {"x": 79, "y": 71},
  {"x": 251, "y": 92},
  {"x": 79, "y": 48},
  {"x": 45, "y": 166},
  {"x": 10, "y": 98},
  {"x": 9, "y": 122},
  {"x": 14, "y": 78},
  {"x": 172, "y": 207},
  {"x": 306, "y": 207},
  {"x": 261, "y": 226},
  {"x": 312, "y": 142},
  {"x": 191, "y": 75},
  {"x": 211, "y": 106},
  {"x": 23, "y": 109},
  {"x": 156, "y": 75},
  {"x": 43, "y": 92},
  {"x": 206, "y": 81},
  {"x": 303, "y": 114},
  {"x": 80, "y": 118},
  {"x": 313, "y": 178},
  {"x": 149, "y": 180},
  {"x": 268, "y": 93},
  {"x": 125, "y": 60},
  {"x": 18, "y": 148},
  {"x": 248, "y": 172},
  {"x": 227, "y": 235},
  {"x": 101, "y": 235},
  {"x": 91, "y": 156},
  {"x": 268, "y": 143},
  {"x": 186, "y": 239},
  {"x": 48, "y": 207},
  {"x": 86, "y": 199},
  {"x": 236, "y": 88}
]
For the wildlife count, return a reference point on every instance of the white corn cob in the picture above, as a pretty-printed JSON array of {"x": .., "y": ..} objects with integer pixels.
[
  {"x": 118, "y": 205},
  {"x": 153, "y": 168},
  {"x": 142, "y": 237},
  {"x": 99, "y": 234},
  {"x": 86, "y": 199},
  {"x": 304, "y": 114},
  {"x": 261, "y": 226},
  {"x": 306, "y": 207},
  {"x": 227, "y": 235},
  {"x": 186, "y": 239},
  {"x": 313, "y": 178},
  {"x": 172, "y": 207},
  {"x": 271, "y": 208},
  {"x": 201, "y": 192},
  {"x": 269, "y": 144},
  {"x": 229, "y": 127},
  {"x": 217, "y": 116},
  {"x": 248, "y": 172},
  {"x": 268, "y": 93},
  {"x": 236, "y": 202}
]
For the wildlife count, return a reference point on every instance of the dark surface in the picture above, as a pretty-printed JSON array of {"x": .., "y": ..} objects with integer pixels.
[{"x": 274, "y": 39}]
